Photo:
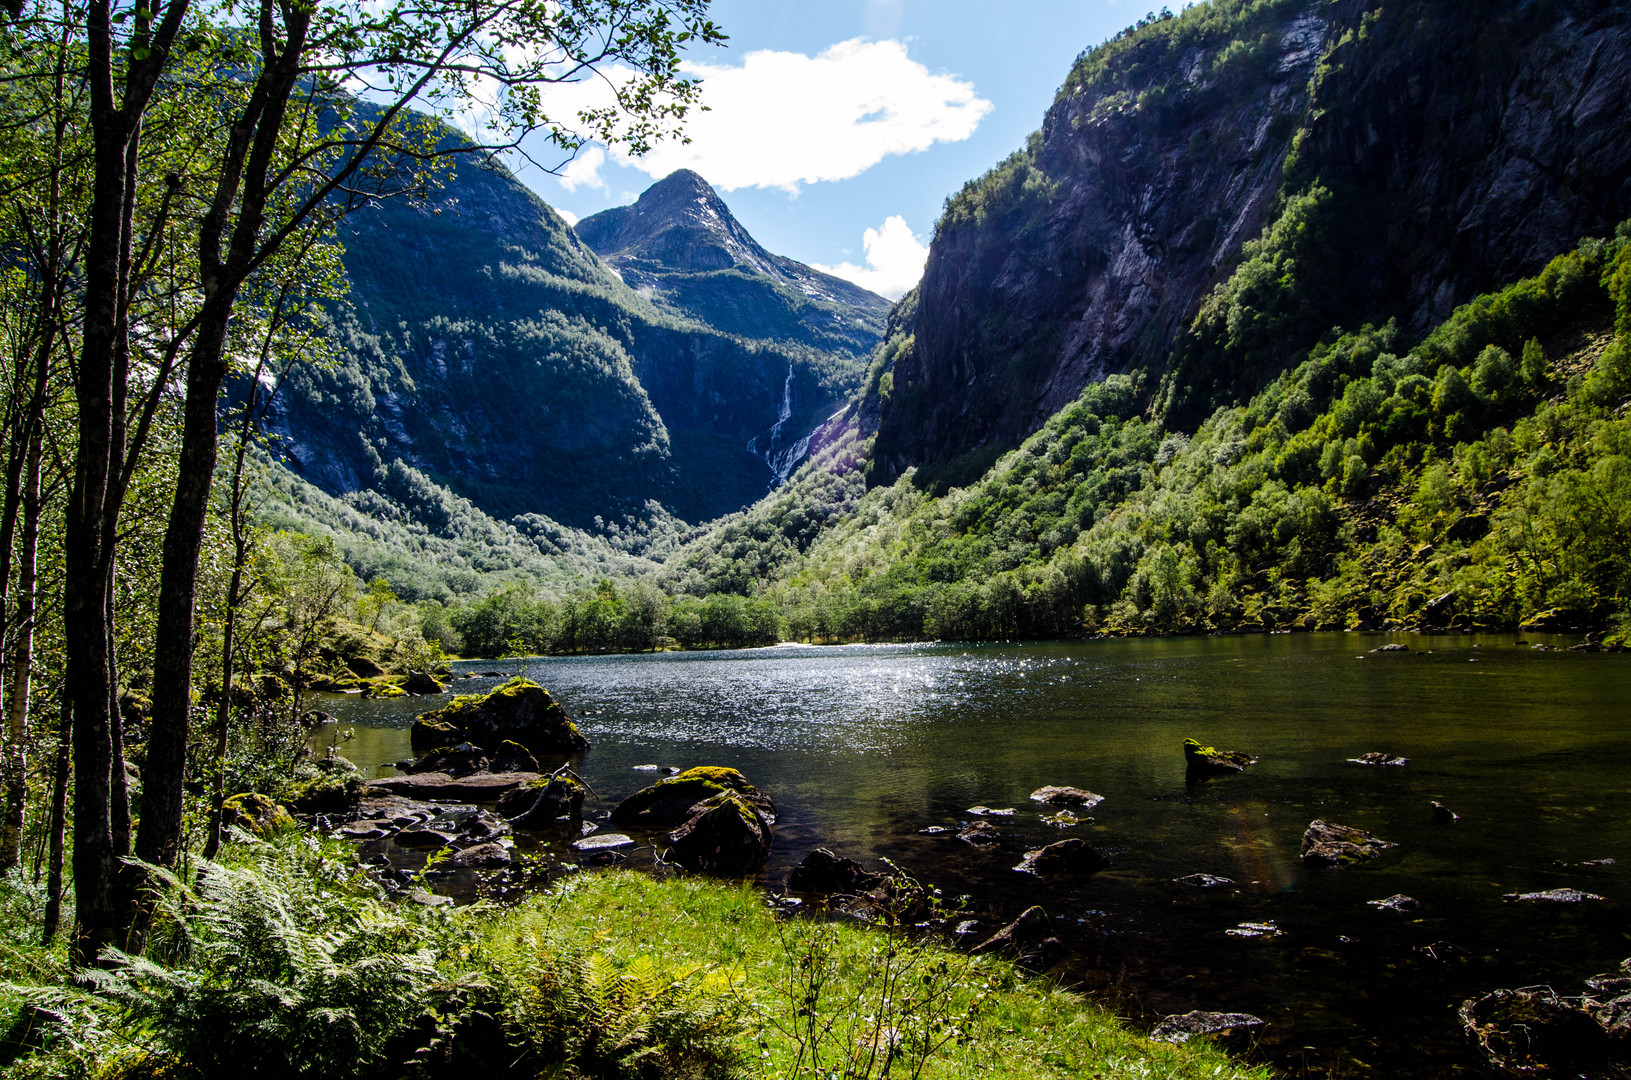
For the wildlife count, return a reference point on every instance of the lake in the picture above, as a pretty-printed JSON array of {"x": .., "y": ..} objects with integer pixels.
[{"x": 861, "y": 746}]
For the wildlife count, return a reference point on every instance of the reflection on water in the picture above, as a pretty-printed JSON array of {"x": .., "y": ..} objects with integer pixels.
[{"x": 863, "y": 745}]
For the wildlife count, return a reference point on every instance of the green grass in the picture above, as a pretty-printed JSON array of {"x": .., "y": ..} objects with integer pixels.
[{"x": 725, "y": 942}]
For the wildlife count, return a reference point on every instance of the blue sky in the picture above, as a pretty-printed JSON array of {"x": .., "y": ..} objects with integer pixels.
[{"x": 830, "y": 118}]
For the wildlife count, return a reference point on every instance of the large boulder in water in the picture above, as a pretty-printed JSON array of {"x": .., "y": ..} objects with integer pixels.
[
  {"x": 1206, "y": 761},
  {"x": 1073, "y": 856},
  {"x": 725, "y": 835},
  {"x": 668, "y": 803},
  {"x": 520, "y": 711},
  {"x": 1329, "y": 844}
]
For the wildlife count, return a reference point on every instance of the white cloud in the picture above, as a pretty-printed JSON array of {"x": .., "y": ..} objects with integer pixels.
[
  {"x": 894, "y": 260},
  {"x": 584, "y": 170},
  {"x": 783, "y": 119},
  {"x": 567, "y": 216}
]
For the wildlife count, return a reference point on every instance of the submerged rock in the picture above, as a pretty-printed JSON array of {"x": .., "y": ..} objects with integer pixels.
[
  {"x": 1062, "y": 819},
  {"x": 935, "y": 830},
  {"x": 825, "y": 874},
  {"x": 481, "y": 857},
  {"x": 986, "y": 811},
  {"x": 979, "y": 833},
  {"x": 602, "y": 842},
  {"x": 1397, "y": 902},
  {"x": 1204, "y": 761},
  {"x": 1204, "y": 881},
  {"x": 1073, "y": 856},
  {"x": 1066, "y": 796},
  {"x": 1180, "y": 1028},
  {"x": 1555, "y": 896},
  {"x": 1535, "y": 1031},
  {"x": 1254, "y": 930},
  {"x": 519, "y": 711},
  {"x": 668, "y": 803},
  {"x": 1394, "y": 647},
  {"x": 725, "y": 835},
  {"x": 1379, "y": 757},
  {"x": 1443, "y": 814},
  {"x": 1329, "y": 844}
]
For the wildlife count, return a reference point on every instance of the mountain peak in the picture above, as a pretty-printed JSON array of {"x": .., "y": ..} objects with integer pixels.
[{"x": 679, "y": 223}]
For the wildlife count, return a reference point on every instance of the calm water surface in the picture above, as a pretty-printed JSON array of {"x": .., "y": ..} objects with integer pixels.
[{"x": 861, "y": 746}]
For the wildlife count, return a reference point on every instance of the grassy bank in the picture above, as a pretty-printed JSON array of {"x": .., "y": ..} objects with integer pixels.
[{"x": 287, "y": 961}]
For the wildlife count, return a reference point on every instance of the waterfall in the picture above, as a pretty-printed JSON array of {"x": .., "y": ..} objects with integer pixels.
[{"x": 782, "y": 460}]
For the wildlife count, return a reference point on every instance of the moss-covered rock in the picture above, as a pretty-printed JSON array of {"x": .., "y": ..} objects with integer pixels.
[
  {"x": 539, "y": 805},
  {"x": 1203, "y": 761},
  {"x": 324, "y": 793},
  {"x": 668, "y": 803},
  {"x": 256, "y": 813},
  {"x": 463, "y": 759},
  {"x": 519, "y": 711},
  {"x": 724, "y": 835}
]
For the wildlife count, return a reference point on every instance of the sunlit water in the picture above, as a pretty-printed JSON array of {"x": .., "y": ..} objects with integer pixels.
[{"x": 863, "y": 745}]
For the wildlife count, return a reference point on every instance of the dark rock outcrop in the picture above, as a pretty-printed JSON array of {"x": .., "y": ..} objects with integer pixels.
[
  {"x": 520, "y": 711},
  {"x": 668, "y": 802},
  {"x": 1328, "y": 844},
  {"x": 725, "y": 835},
  {"x": 513, "y": 757},
  {"x": 824, "y": 874}
]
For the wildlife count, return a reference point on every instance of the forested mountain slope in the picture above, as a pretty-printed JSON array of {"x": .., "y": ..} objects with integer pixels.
[
  {"x": 486, "y": 347},
  {"x": 1481, "y": 478},
  {"x": 1212, "y": 191}
]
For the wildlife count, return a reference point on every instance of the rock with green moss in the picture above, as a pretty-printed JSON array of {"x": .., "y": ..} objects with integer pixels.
[
  {"x": 324, "y": 788},
  {"x": 668, "y": 803},
  {"x": 558, "y": 796},
  {"x": 1203, "y": 761},
  {"x": 255, "y": 813},
  {"x": 724, "y": 835},
  {"x": 520, "y": 711},
  {"x": 380, "y": 688}
]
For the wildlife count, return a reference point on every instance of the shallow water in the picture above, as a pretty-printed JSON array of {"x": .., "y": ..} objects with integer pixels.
[{"x": 863, "y": 745}]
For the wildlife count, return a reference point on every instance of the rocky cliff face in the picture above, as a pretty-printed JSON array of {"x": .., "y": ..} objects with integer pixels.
[
  {"x": 1212, "y": 191},
  {"x": 491, "y": 349}
]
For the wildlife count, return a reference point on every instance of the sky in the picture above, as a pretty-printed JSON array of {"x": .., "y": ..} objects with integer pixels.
[{"x": 837, "y": 128}]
